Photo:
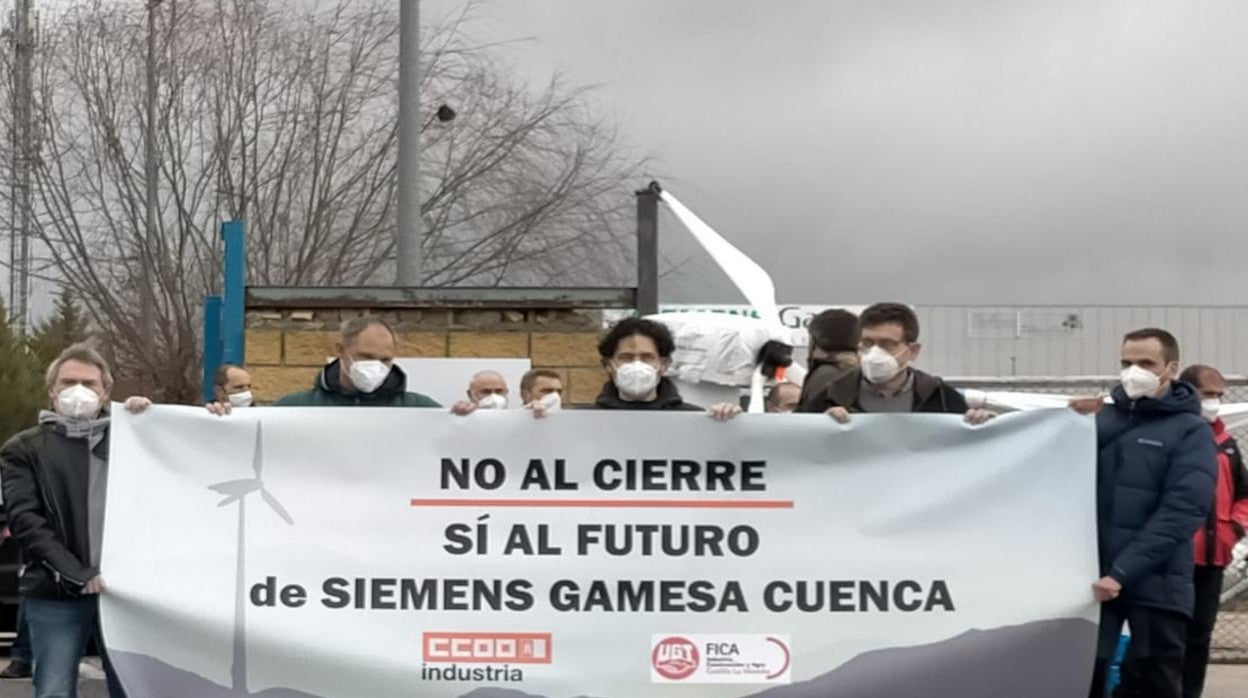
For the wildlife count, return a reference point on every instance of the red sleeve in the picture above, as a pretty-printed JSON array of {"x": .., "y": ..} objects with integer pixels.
[{"x": 1239, "y": 490}]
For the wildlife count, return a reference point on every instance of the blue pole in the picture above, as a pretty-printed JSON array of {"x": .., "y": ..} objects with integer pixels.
[
  {"x": 232, "y": 347},
  {"x": 212, "y": 342}
]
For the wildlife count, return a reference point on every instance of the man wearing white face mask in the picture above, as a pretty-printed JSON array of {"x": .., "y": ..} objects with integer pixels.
[
  {"x": 542, "y": 388},
  {"x": 885, "y": 382},
  {"x": 232, "y": 384},
  {"x": 1156, "y": 467},
  {"x": 363, "y": 375},
  {"x": 488, "y": 391},
  {"x": 1218, "y": 535},
  {"x": 55, "y": 480},
  {"x": 636, "y": 354}
]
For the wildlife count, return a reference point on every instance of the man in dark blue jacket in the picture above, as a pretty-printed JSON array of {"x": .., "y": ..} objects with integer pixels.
[{"x": 1155, "y": 478}]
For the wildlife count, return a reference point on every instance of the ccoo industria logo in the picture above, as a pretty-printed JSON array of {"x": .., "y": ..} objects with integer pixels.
[{"x": 485, "y": 657}]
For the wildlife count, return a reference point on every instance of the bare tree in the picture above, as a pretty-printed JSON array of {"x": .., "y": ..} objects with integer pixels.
[{"x": 285, "y": 117}]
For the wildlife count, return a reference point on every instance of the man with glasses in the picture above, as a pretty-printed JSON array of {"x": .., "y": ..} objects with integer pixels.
[{"x": 885, "y": 381}]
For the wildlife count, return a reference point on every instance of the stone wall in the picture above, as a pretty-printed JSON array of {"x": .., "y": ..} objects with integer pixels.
[{"x": 284, "y": 348}]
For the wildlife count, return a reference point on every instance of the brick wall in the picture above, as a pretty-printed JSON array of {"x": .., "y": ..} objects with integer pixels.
[{"x": 285, "y": 348}]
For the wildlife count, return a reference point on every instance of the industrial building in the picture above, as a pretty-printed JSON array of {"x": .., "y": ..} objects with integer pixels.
[{"x": 1049, "y": 340}]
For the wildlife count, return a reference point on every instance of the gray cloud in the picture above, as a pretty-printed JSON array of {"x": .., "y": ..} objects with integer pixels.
[{"x": 959, "y": 152}]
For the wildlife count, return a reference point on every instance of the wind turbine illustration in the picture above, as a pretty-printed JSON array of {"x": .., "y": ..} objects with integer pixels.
[{"x": 237, "y": 491}]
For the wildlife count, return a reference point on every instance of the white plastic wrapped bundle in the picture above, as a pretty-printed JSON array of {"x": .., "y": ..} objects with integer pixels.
[
  {"x": 716, "y": 348},
  {"x": 754, "y": 283}
]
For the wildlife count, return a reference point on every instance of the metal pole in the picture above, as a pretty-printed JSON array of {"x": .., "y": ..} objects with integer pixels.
[
  {"x": 212, "y": 343},
  {"x": 23, "y": 45},
  {"x": 147, "y": 313},
  {"x": 233, "y": 313},
  {"x": 15, "y": 145},
  {"x": 648, "y": 250},
  {"x": 410, "y": 226}
]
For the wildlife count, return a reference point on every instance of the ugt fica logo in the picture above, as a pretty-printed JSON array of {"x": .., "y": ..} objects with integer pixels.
[
  {"x": 675, "y": 658},
  {"x": 735, "y": 658}
]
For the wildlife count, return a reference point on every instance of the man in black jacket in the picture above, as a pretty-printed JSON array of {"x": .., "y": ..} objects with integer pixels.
[
  {"x": 885, "y": 381},
  {"x": 636, "y": 354},
  {"x": 54, "y": 478}
]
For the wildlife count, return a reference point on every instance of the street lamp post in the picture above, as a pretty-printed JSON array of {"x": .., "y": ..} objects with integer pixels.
[
  {"x": 409, "y": 229},
  {"x": 147, "y": 313}
]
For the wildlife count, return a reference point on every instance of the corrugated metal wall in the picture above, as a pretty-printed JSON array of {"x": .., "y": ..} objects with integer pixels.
[{"x": 1072, "y": 340}]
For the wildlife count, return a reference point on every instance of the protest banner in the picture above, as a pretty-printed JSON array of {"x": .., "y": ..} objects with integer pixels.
[{"x": 326, "y": 552}]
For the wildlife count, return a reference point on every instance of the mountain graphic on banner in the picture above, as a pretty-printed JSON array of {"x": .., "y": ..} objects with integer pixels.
[
  {"x": 1009, "y": 661},
  {"x": 147, "y": 676},
  {"x": 505, "y": 693},
  {"x": 1013, "y": 661}
]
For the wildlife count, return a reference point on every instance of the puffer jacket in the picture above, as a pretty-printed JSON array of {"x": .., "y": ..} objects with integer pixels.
[{"x": 1155, "y": 478}]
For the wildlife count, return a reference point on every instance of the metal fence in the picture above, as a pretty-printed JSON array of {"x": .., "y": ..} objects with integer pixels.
[{"x": 1230, "y": 638}]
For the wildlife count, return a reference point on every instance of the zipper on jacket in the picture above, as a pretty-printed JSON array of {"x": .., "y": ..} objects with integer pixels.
[
  {"x": 58, "y": 521},
  {"x": 57, "y": 575}
]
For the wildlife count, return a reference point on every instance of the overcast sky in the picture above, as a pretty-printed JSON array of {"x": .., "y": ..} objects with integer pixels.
[{"x": 1035, "y": 151}]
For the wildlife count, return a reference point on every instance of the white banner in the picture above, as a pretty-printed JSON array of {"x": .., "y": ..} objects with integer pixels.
[{"x": 368, "y": 552}]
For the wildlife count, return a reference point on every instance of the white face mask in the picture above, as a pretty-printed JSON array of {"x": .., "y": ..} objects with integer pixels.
[
  {"x": 636, "y": 379},
  {"x": 242, "y": 399},
  {"x": 879, "y": 366},
  {"x": 368, "y": 376},
  {"x": 1209, "y": 408},
  {"x": 1139, "y": 382},
  {"x": 78, "y": 402},
  {"x": 493, "y": 401},
  {"x": 552, "y": 402}
]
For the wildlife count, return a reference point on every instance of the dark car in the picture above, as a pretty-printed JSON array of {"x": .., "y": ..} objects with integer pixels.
[{"x": 10, "y": 560}]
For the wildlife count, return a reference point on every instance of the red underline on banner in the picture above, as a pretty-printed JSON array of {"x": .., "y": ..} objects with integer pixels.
[{"x": 611, "y": 503}]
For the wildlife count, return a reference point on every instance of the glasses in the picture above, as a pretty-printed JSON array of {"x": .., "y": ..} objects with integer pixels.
[{"x": 889, "y": 345}]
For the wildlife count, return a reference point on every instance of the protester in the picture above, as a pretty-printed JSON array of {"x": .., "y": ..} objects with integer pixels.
[
  {"x": 1156, "y": 466},
  {"x": 55, "y": 479},
  {"x": 636, "y": 354},
  {"x": 783, "y": 397},
  {"x": 885, "y": 381},
  {"x": 1216, "y": 538},
  {"x": 834, "y": 337},
  {"x": 488, "y": 390},
  {"x": 232, "y": 384},
  {"x": 363, "y": 374},
  {"x": 542, "y": 386}
]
